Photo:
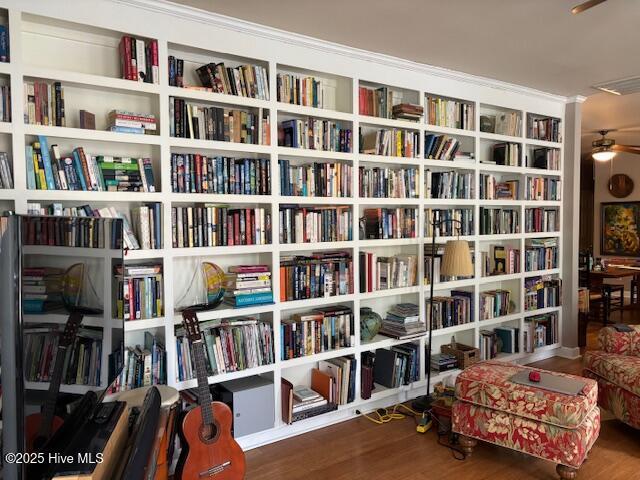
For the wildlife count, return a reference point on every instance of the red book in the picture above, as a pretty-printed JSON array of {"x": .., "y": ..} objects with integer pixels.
[
  {"x": 124, "y": 64},
  {"x": 230, "y": 230},
  {"x": 248, "y": 268},
  {"x": 236, "y": 228},
  {"x": 155, "y": 62},
  {"x": 249, "y": 220},
  {"x": 369, "y": 272},
  {"x": 128, "y": 58}
]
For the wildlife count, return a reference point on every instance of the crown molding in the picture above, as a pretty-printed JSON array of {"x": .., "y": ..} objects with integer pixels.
[
  {"x": 576, "y": 99},
  {"x": 238, "y": 25}
]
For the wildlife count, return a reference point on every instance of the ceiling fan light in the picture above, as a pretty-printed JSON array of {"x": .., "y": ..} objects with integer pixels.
[{"x": 603, "y": 155}]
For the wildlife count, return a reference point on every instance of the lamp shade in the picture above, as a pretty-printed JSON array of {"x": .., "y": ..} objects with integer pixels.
[{"x": 456, "y": 261}]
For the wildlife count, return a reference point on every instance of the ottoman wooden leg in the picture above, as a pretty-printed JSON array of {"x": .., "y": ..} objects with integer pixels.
[
  {"x": 566, "y": 473},
  {"x": 467, "y": 445}
]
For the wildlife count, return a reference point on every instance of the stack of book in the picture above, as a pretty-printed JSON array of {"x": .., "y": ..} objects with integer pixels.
[
  {"x": 139, "y": 60},
  {"x": 5, "y": 102},
  {"x": 456, "y": 309},
  {"x": 541, "y": 254},
  {"x": 544, "y": 129},
  {"x": 232, "y": 345},
  {"x": 248, "y": 285},
  {"x": 403, "y": 321},
  {"x": 305, "y": 398},
  {"x": 131, "y": 122},
  {"x": 315, "y": 179},
  {"x": 488, "y": 344},
  {"x": 539, "y": 331},
  {"x": 378, "y": 102},
  {"x": 321, "y": 274},
  {"x": 444, "y": 147},
  {"x": 499, "y": 221},
  {"x": 83, "y": 359},
  {"x": 502, "y": 123},
  {"x": 6, "y": 173},
  {"x": 542, "y": 292},
  {"x": 48, "y": 169},
  {"x": 219, "y": 225},
  {"x": 140, "y": 291},
  {"x": 390, "y": 143},
  {"x": 315, "y": 224},
  {"x": 491, "y": 189},
  {"x": 244, "y": 80},
  {"x": 541, "y": 220},
  {"x": 543, "y": 188},
  {"x": 305, "y": 91},
  {"x": 442, "y": 362},
  {"x": 449, "y": 185},
  {"x": 384, "y": 273},
  {"x": 384, "y": 182},
  {"x": 67, "y": 232},
  {"x": 389, "y": 223},
  {"x": 500, "y": 260},
  {"x": 395, "y": 367},
  {"x": 449, "y": 222},
  {"x": 545, "y": 159},
  {"x": 315, "y": 134},
  {"x": 407, "y": 111},
  {"x": 508, "y": 339},
  {"x": 143, "y": 365},
  {"x": 495, "y": 303},
  {"x": 450, "y": 113},
  {"x": 321, "y": 330},
  {"x": 196, "y": 173},
  {"x": 44, "y": 104},
  {"x": 504, "y": 154},
  {"x": 41, "y": 289},
  {"x": 203, "y": 122}
]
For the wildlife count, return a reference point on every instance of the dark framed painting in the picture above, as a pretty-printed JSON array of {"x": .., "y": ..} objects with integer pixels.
[{"x": 620, "y": 229}]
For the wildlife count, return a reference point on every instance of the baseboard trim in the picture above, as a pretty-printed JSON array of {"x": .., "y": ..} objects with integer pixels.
[{"x": 571, "y": 353}]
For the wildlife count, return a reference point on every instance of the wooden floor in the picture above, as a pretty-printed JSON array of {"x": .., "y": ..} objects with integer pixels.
[{"x": 361, "y": 450}]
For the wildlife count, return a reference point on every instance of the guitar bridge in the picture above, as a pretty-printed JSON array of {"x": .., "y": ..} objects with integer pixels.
[{"x": 215, "y": 470}]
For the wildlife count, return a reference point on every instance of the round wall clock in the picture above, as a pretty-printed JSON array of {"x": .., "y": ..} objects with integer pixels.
[{"x": 620, "y": 185}]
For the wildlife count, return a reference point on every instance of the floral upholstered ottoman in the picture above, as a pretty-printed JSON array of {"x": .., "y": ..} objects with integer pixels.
[{"x": 553, "y": 426}]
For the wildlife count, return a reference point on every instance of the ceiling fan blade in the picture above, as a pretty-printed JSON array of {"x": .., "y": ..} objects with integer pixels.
[
  {"x": 626, "y": 148},
  {"x": 586, "y": 6}
]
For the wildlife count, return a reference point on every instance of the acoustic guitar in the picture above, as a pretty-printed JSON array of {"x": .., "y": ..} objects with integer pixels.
[
  {"x": 40, "y": 426},
  {"x": 208, "y": 449}
]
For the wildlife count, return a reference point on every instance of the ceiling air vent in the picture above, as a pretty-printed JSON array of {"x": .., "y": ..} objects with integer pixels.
[{"x": 620, "y": 87}]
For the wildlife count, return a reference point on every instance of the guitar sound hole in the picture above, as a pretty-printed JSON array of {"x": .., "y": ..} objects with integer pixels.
[{"x": 209, "y": 433}]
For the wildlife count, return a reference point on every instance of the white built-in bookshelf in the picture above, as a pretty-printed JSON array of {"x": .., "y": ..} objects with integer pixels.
[{"x": 76, "y": 43}]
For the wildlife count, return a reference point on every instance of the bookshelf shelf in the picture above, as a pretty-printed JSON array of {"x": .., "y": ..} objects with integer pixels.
[
  {"x": 296, "y": 362},
  {"x": 72, "y": 252},
  {"x": 61, "y": 319},
  {"x": 90, "y": 67},
  {"x": 64, "y": 388},
  {"x": 381, "y": 341}
]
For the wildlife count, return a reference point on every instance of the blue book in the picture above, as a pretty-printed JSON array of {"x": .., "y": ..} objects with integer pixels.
[
  {"x": 148, "y": 173},
  {"x": 127, "y": 129},
  {"x": 77, "y": 164},
  {"x": 46, "y": 160},
  {"x": 31, "y": 173},
  {"x": 179, "y": 350},
  {"x": 4, "y": 44}
]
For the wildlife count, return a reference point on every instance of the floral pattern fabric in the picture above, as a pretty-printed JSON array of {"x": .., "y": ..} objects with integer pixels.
[
  {"x": 621, "y": 343},
  {"x": 487, "y": 384},
  {"x": 568, "y": 446},
  {"x": 620, "y": 370},
  {"x": 623, "y": 404}
]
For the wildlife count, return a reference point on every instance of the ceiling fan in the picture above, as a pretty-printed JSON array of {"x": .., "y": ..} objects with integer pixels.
[
  {"x": 604, "y": 149},
  {"x": 586, "y": 6}
]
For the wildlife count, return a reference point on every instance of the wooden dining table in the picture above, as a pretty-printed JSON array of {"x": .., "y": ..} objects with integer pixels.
[{"x": 598, "y": 277}]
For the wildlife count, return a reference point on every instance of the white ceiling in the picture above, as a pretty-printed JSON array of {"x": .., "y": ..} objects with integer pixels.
[{"x": 538, "y": 43}]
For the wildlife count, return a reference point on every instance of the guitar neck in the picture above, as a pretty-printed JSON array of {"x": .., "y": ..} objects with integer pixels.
[
  {"x": 204, "y": 394},
  {"x": 49, "y": 409}
]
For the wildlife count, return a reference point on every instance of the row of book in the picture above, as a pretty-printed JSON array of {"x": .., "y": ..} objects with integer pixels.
[
  {"x": 492, "y": 189},
  {"x": 390, "y": 142},
  {"x": 434, "y": 258},
  {"x": 219, "y": 226},
  {"x": 456, "y": 309},
  {"x": 321, "y": 274},
  {"x": 248, "y": 285},
  {"x": 403, "y": 322},
  {"x": 249, "y": 81},
  {"x": 443, "y": 147},
  {"x": 379, "y": 272},
  {"x": 197, "y": 173},
  {"x": 315, "y": 224},
  {"x": 445, "y": 112},
  {"x": 542, "y": 292},
  {"x": 449, "y": 185},
  {"x": 384, "y": 182},
  {"x": 505, "y": 154},
  {"x": 321, "y": 330},
  {"x": 44, "y": 104},
  {"x": 42, "y": 289},
  {"x": 6, "y": 172},
  {"x": 499, "y": 221},
  {"x": 539, "y": 331},
  {"x": 123, "y": 121},
  {"x": 315, "y": 134},
  {"x": 545, "y": 158},
  {"x": 140, "y": 291},
  {"x": 448, "y": 222},
  {"x": 389, "y": 223},
  {"x": 318, "y": 179},
  {"x": 541, "y": 220},
  {"x": 502, "y": 123},
  {"x": 48, "y": 169},
  {"x": 139, "y": 60},
  {"x": 143, "y": 365},
  {"x": 231, "y": 345},
  {"x": 5, "y": 101},
  {"x": 495, "y": 303},
  {"x": 306, "y": 91},
  {"x": 202, "y": 122},
  {"x": 82, "y": 361},
  {"x": 543, "y": 188},
  {"x": 66, "y": 232},
  {"x": 392, "y": 368},
  {"x": 504, "y": 339},
  {"x": 500, "y": 260},
  {"x": 544, "y": 129},
  {"x": 378, "y": 102},
  {"x": 541, "y": 254}
]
